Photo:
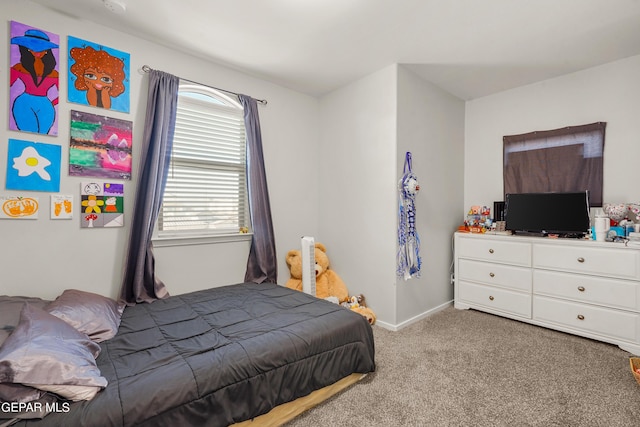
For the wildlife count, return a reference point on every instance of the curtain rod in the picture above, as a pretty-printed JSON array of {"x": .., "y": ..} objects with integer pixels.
[{"x": 146, "y": 69}]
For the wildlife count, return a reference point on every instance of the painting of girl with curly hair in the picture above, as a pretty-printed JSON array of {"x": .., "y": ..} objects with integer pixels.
[
  {"x": 33, "y": 80},
  {"x": 98, "y": 75}
]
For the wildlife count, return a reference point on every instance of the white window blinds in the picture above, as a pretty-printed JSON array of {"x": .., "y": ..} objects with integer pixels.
[{"x": 206, "y": 185}]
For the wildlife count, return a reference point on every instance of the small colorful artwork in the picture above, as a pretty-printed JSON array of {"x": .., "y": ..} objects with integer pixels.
[
  {"x": 100, "y": 146},
  {"x": 18, "y": 207},
  {"x": 61, "y": 206},
  {"x": 34, "y": 90},
  {"x": 98, "y": 75},
  {"x": 102, "y": 204},
  {"x": 33, "y": 166}
]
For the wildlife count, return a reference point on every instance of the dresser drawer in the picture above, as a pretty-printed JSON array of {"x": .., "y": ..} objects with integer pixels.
[
  {"x": 609, "y": 262},
  {"x": 518, "y": 278},
  {"x": 516, "y": 253},
  {"x": 596, "y": 290},
  {"x": 496, "y": 298},
  {"x": 598, "y": 320}
]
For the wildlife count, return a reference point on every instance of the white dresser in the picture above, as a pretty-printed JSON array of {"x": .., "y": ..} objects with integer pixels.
[{"x": 577, "y": 286}]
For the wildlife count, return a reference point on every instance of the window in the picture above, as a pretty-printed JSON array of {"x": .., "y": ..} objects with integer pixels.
[
  {"x": 559, "y": 160},
  {"x": 205, "y": 194}
]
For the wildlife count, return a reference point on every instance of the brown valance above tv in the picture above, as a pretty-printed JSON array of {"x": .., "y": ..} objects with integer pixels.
[{"x": 559, "y": 160}]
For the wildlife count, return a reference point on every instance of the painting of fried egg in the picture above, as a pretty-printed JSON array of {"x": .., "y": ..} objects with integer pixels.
[{"x": 33, "y": 166}]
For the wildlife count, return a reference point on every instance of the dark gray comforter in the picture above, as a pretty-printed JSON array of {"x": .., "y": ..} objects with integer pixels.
[{"x": 221, "y": 356}]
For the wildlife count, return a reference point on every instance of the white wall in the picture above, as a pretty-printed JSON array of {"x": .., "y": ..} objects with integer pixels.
[
  {"x": 367, "y": 127},
  {"x": 357, "y": 208},
  {"x": 332, "y": 168},
  {"x": 43, "y": 257},
  {"x": 608, "y": 93},
  {"x": 431, "y": 127}
]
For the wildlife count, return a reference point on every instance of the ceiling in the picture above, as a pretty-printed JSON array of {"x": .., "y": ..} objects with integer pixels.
[{"x": 471, "y": 48}]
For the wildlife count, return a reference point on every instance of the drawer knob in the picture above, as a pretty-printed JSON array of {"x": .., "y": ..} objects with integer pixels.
[
  {"x": 492, "y": 275},
  {"x": 580, "y": 259},
  {"x": 490, "y": 251},
  {"x": 580, "y": 317},
  {"x": 490, "y": 298},
  {"x": 581, "y": 288}
]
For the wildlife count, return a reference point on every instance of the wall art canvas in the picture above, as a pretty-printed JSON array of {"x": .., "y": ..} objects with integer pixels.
[
  {"x": 102, "y": 204},
  {"x": 34, "y": 80},
  {"x": 61, "y": 206},
  {"x": 100, "y": 146},
  {"x": 98, "y": 75},
  {"x": 19, "y": 207},
  {"x": 33, "y": 166}
]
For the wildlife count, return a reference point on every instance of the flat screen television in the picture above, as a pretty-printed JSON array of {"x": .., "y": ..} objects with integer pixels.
[{"x": 565, "y": 214}]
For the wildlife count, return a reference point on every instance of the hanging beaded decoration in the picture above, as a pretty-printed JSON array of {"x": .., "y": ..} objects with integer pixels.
[{"x": 408, "y": 258}]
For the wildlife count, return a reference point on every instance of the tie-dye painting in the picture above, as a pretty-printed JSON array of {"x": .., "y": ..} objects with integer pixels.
[{"x": 100, "y": 146}]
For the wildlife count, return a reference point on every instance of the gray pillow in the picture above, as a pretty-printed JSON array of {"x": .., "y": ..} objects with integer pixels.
[
  {"x": 10, "y": 308},
  {"x": 38, "y": 408},
  {"x": 11, "y": 392},
  {"x": 92, "y": 314},
  {"x": 45, "y": 352}
]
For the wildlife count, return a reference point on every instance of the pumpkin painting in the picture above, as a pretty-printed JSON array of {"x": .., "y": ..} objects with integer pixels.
[{"x": 20, "y": 207}]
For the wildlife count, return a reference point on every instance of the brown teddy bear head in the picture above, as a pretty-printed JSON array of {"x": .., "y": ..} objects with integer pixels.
[
  {"x": 367, "y": 313},
  {"x": 294, "y": 261}
]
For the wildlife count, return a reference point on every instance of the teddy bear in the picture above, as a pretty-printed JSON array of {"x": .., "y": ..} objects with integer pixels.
[{"x": 329, "y": 285}]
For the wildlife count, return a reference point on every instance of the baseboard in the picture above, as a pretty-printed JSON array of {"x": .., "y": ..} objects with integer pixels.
[{"x": 414, "y": 319}]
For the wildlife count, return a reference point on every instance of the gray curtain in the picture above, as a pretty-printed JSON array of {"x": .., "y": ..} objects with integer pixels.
[
  {"x": 559, "y": 160},
  {"x": 140, "y": 283},
  {"x": 262, "y": 265}
]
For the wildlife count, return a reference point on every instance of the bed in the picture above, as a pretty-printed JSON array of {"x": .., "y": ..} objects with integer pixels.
[{"x": 221, "y": 356}]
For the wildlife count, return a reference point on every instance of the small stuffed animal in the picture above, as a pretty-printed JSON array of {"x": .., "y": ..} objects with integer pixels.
[
  {"x": 354, "y": 302},
  {"x": 328, "y": 282},
  {"x": 357, "y": 304}
]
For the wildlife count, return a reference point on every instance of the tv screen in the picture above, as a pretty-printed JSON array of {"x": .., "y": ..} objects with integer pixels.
[{"x": 566, "y": 214}]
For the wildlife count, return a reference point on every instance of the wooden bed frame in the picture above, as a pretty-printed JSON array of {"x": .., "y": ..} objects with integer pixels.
[{"x": 288, "y": 411}]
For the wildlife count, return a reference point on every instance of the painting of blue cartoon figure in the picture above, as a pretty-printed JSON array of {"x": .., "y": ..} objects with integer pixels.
[{"x": 33, "y": 80}]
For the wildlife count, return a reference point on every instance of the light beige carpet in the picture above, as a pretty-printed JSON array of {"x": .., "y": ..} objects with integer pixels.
[{"x": 467, "y": 368}]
